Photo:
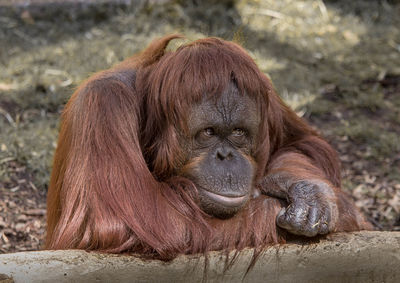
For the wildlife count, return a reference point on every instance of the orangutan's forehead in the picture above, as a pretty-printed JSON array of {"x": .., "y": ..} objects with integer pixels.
[{"x": 230, "y": 108}]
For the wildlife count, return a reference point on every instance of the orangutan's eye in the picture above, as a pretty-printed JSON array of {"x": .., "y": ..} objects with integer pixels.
[
  {"x": 209, "y": 132},
  {"x": 238, "y": 132}
]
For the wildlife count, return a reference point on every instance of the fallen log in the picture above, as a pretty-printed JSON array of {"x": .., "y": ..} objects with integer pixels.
[{"x": 342, "y": 257}]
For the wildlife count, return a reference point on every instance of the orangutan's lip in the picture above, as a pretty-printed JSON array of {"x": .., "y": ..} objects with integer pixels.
[{"x": 226, "y": 200}]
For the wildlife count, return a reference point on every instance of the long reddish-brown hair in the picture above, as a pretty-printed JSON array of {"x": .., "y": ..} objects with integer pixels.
[{"x": 114, "y": 186}]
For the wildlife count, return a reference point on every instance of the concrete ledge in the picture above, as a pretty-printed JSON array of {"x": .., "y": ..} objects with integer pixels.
[{"x": 351, "y": 257}]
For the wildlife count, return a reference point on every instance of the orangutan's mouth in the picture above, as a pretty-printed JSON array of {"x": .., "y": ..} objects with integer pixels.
[{"x": 230, "y": 201}]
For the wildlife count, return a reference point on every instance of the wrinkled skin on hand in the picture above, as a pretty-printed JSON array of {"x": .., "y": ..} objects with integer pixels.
[
  {"x": 312, "y": 209},
  {"x": 314, "y": 203}
]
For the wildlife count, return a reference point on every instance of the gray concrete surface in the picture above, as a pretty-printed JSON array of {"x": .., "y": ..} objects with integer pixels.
[{"x": 352, "y": 257}]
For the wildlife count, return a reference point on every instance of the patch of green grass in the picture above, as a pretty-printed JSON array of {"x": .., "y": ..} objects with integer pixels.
[
  {"x": 28, "y": 144},
  {"x": 376, "y": 141},
  {"x": 41, "y": 97},
  {"x": 320, "y": 107},
  {"x": 368, "y": 100}
]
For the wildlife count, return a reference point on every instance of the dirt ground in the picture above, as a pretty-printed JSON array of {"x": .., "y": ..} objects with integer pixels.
[{"x": 337, "y": 63}]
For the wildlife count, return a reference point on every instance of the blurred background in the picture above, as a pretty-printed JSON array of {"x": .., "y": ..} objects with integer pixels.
[{"x": 336, "y": 62}]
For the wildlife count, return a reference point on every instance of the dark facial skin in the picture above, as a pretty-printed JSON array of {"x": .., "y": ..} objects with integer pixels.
[{"x": 223, "y": 133}]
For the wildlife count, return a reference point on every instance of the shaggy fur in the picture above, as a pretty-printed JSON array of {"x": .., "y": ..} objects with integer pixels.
[{"x": 114, "y": 186}]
